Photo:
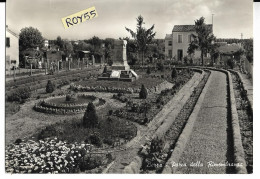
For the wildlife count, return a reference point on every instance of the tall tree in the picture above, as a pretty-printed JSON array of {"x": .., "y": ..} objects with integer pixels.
[
  {"x": 202, "y": 40},
  {"x": 30, "y": 38},
  {"x": 248, "y": 46},
  {"x": 59, "y": 42},
  {"x": 142, "y": 36}
]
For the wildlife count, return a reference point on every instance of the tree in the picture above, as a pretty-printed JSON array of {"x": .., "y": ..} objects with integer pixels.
[
  {"x": 248, "y": 46},
  {"x": 90, "y": 119},
  {"x": 143, "y": 93},
  {"x": 59, "y": 42},
  {"x": 174, "y": 73},
  {"x": 202, "y": 40},
  {"x": 67, "y": 48},
  {"x": 49, "y": 87},
  {"x": 142, "y": 36},
  {"x": 30, "y": 37}
]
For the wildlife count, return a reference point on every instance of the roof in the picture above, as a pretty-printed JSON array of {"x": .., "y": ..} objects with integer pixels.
[
  {"x": 229, "y": 49},
  {"x": 187, "y": 28},
  {"x": 11, "y": 32}
]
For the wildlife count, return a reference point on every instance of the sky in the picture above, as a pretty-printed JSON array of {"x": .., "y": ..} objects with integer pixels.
[{"x": 231, "y": 17}]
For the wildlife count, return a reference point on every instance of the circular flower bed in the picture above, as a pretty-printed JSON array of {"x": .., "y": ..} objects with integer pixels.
[{"x": 59, "y": 104}]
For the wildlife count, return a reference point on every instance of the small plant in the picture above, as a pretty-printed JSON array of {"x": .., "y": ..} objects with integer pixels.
[
  {"x": 174, "y": 73},
  {"x": 95, "y": 140},
  {"x": 90, "y": 119},
  {"x": 148, "y": 70},
  {"x": 105, "y": 69},
  {"x": 49, "y": 87},
  {"x": 143, "y": 93}
]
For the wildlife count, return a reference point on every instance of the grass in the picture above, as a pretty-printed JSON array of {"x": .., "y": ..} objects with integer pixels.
[
  {"x": 110, "y": 129},
  {"x": 11, "y": 108},
  {"x": 148, "y": 82},
  {"x": 80, "y": 100}
]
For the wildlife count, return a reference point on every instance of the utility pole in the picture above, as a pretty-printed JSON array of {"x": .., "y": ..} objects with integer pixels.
[{"x": 212, "y": 23}]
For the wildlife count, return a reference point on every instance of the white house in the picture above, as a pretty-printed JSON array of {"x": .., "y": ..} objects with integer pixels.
[
  {"x": 177, "y": 43},
  {"x": 12, "y": 49}
]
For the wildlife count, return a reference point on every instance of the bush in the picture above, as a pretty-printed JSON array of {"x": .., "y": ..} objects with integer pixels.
[
  {"x": 90, "y": 119},
  {"x": 174, "y": 73},
  {"x": 157, "y": 145},
  {"x": 105, "y": 69},
  {"x": 19, "y": 95},
  {"x": 148, "y": 70},
  {"x": 95, "y": 140},
  {"x": 160, "y": 66},
  {"x": 49, "y": 131},
  {"x": 49, "y": 87},
  {"x": 143, "y": 93}
]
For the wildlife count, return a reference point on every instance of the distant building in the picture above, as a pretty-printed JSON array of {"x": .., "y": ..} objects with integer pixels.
[
  {"x": 12, "y": 49},
  {"x": 46, "y": 43},
  {"x": 177, "y": 43}
]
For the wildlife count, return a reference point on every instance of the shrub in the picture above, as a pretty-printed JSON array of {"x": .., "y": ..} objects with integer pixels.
[
  {"x": 110, "y": 112},
  {"x": 49, "y": 131},
  {"x": 90, "y": 119},
  {"x": 49, "y": 87},
  {"x": 160, "y": 66},
  {"x": 143, "y": 93},
  {"x": 95, "y": 140},
  {"x": 174, "y": 73},
  {"x": 148, "y": 70},
  {"x": 105, "y": 69},
  {"x": 157, "y": 145},
  {"x": 19, "y": 95}
]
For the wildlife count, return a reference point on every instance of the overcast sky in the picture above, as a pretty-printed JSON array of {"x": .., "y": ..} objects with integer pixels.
[{"x": 231, "y": 17}]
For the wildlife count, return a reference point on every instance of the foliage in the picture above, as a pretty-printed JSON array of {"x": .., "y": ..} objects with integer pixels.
[
  {"x": 157, "y": 145},
  {"x": 59, "y": 42},
  {"x": 142, "y": 36},
  {"x": 248, "y": 46},
  {"x": 148, "y": 70},
  {"x": 90, "y": 119},
  {"x": 202, "y": 39},
  {"x": 105, "y": 69},
  {"x": 50, "y": 87},
  {"x": 174, "y": 73},
  {"x": 231, "y": 63},
  {"x": 20, "y": 95},
  {"x": 95, "y": 140},
  {"x": 160, "y": 66},
  {"x": 143, "y": 93},
  {"x": 30, "y": 37}
]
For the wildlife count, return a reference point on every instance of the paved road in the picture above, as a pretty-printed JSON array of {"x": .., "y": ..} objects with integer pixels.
[{"x": 211, "y": 135}]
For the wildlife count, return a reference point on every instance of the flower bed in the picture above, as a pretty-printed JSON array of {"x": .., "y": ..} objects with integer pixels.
[
  {"x": 51, "y": 156},
  {"x": 143, "y": 111},
  {"x": 51, "y": 107},
  {"x": 245, "y": 117}
]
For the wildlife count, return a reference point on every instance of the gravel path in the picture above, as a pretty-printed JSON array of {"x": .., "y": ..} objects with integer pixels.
[{"x": 211, "y": 138}]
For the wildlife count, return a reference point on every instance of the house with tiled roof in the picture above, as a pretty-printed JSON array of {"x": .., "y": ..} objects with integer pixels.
[
  {"x": 177, "y": 43},
  {"x": 12, "y": 49}
]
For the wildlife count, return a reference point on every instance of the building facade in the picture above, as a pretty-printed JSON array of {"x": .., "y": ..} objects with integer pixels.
[
  {"x": 12, "y": 49},
  {"x": 177, "y": 43}
]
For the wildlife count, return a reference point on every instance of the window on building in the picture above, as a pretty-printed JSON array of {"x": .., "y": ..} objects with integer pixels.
[
  {"x": 179, "y": 38},
  {"x": 169, "y": 43},
  {"x": 7, "y": 42},
  {"x": 170, "y": 53},
  {"x": 189, "y": 38}
]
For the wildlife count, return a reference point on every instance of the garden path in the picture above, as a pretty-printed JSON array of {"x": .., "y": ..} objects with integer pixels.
[{"x": 210, "y": 139}]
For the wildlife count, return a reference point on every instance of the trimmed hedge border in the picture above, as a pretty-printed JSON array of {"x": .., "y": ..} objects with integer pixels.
[{"x": 51, "y": 108}]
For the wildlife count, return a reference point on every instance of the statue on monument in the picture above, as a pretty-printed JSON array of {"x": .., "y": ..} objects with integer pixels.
[{"x": 120, "y": 69}]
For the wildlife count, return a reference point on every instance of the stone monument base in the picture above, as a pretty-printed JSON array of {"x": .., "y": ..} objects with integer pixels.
[{"x": 119, "y": 75}]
